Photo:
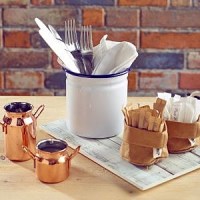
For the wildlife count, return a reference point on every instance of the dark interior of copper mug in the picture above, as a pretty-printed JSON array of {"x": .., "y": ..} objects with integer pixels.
[
  {"x": 52, "y": 145},
  {"x": 18, "y": 107}
]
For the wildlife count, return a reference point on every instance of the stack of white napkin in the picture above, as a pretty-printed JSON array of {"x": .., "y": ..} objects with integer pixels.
[
  {"x": 181, "y": 109},
  {"x": 112, "y": 57}
]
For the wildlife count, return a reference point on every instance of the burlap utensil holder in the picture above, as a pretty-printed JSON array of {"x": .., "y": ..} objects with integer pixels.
[
  {"x": 183, "y": 137},
  {"x": 138, "y": 145}
]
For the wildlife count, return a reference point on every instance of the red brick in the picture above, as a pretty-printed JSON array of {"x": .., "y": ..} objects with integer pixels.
[
  {"x": 117, "y": 17},
  {"x": 181, "y": 3},
  {"x": 158, "y": 80},
  {"x": 23, "y": 59},
  {"x": 14, "y": 2},
  {"x": 54, "y": 61},
  {"x": 142, "y": 2},
  {"x": 189, "y": 81},
  {"x": 132, "y": 81},
  {"x": 0, "y": 17},
  {"x": 16, "y": 39},
  {"x": 93, "y": 16},
  {"x": 129, "y": 36},
  {"x": 15, "y": 92},
  {"x": 24, "y": 79},
  {"x": 25, "y": 17},
  {"x": 194, "y": 60},
  {"x": 1, "y": 38},
  {"x": 25, "y": 92},
  {"x": 170, "y": 40},
  {"x": 42, "y": 2},
  {"x": 171, "y": 18},
  {"x": 43, "y": 92},
  {"x": 1, "y": 80}
]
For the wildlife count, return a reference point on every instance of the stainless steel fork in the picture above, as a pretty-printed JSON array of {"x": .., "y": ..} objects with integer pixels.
[
  {"x": 71, "y": 40},
  {"x": 86, "y": 47}
]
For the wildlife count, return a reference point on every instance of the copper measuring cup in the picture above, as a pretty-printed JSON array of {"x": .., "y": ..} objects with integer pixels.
[
  {"x": 52, "y": 161},
  {"x": 19, "y": 126}
]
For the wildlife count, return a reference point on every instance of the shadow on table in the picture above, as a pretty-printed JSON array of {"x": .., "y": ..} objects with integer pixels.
[{"x": 86, "y": 183}]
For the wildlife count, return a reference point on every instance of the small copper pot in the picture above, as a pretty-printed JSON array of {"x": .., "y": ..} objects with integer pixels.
[
  {"x": 19, "y": 126},
  {"x": 52, "y": 161}
]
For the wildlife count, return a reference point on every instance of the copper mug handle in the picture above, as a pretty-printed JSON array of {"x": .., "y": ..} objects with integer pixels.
[
  {"x": 27, "y": 150},
  {"x": 72, "y": 155},
  {"x": 36, "y": 115},
  {"x": 39, "y": 111},
  {"x": 3, "y": 126}
]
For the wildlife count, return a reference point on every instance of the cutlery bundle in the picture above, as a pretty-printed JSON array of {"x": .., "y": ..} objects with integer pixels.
[
  {"x": 78, "y": 54},
  {"x": 75, "y": 55}
]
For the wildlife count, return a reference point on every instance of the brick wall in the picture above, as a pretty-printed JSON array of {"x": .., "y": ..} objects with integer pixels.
[{"x": 165, "y": 32}]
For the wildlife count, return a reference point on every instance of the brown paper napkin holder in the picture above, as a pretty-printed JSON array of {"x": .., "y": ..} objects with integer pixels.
[
  {"x": 183, "y": 137},
  {"x": 138, "y": 145}
]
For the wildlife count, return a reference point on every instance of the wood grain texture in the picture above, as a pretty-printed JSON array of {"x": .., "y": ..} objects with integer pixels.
[{"x": 87, "y": 179}]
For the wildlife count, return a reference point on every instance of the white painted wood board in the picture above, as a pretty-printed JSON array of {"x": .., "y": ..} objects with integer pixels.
[{"x": 105, "y": 152}]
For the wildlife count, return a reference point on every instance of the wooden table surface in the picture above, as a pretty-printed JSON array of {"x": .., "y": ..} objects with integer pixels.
[{"x": 87, "y": 180}]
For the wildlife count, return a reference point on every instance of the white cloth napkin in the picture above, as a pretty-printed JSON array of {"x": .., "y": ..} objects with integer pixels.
[{"x": 112, "y": 57}]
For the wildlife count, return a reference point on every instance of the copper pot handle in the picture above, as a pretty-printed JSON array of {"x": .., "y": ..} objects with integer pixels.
[
  {"x": 39, "y": 111},
  {"x": 27, "y": 150},
  {"x": 72, "y": 155},
  {"x": 3, "y": 126},
  {"x": 31, "y": 154}
]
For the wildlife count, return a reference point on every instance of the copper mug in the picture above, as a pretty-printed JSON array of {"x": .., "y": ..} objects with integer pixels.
[
  {"x": 52, "y": 160},
  {"x": 19, "y": 126}
]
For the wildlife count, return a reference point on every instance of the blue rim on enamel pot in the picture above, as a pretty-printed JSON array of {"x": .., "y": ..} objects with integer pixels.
[{"x": 97, "y": 76}]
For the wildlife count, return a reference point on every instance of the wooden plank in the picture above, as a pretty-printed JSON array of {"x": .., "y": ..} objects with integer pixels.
[
  {"x": 196, "y": 151},
  {"x": 180, "y": 163},
  {"x": 105, "y": 152}
]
